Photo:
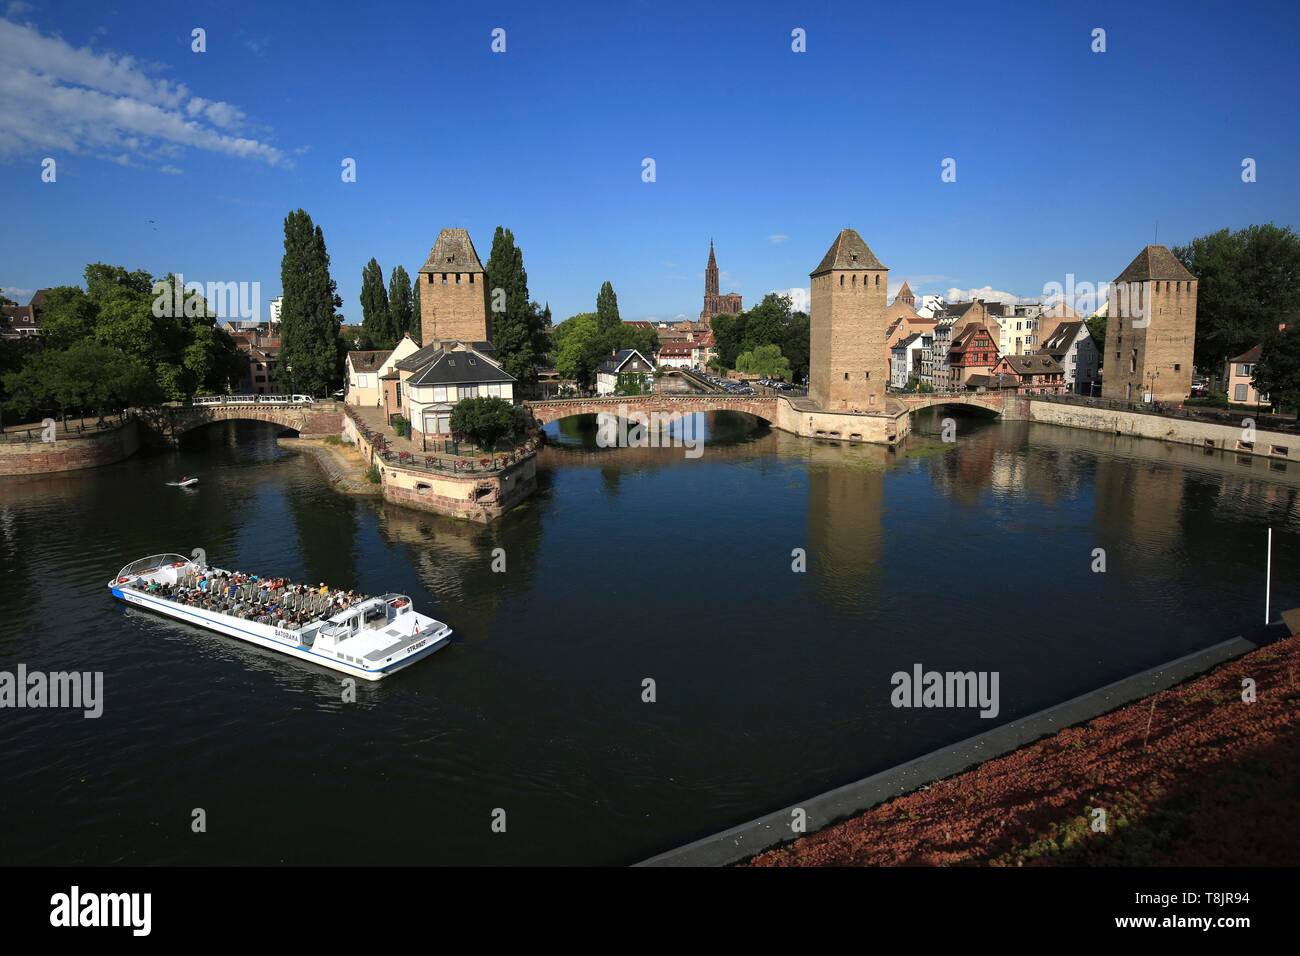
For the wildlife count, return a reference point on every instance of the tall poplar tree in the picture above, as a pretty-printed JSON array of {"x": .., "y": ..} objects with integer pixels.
[
  {"x": 400, "y": 316},
  {"x": 417, "y": 319},
  {"x": 309, "y": 319},
  {"x": 376, "y": 326},
  {"x": 607, "y": 308},
  {"x": 515, "y": 329}
]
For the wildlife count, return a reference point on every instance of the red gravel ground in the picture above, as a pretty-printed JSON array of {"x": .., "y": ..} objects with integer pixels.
[{"x": 1216, "y": 782}]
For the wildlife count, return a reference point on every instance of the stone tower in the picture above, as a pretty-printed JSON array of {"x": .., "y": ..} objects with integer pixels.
[
  {"x": 847, "y": 370},
  {"x": 905, "y": 295},
  {"x": 1150, "y": 330},
  {"x": 453, "y": 291},
  {"x": 715, "y": 302}
]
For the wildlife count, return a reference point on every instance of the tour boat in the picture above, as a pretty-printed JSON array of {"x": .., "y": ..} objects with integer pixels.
[{"x": 370, "y": 639}]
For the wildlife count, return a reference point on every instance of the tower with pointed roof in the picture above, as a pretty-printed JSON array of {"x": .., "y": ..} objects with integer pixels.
[
  {"x": 847, "y": 367},
  {"x": 1151, "y": 330},
  {"x": 715, "y": 303},
  {"x": 453, "y": 291}
]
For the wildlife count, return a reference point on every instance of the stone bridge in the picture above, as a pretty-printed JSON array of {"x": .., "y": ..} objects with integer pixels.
[
  {"x": 166, "y": 424},
  {"x": 995, "y": 402},
  {"x": 550, "y": 410}
]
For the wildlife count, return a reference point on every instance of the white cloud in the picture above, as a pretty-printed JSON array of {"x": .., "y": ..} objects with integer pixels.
[
  {"x": 780, "y": 237},
  {"x": 170, "y": 170},
  {"x": 57, "y": 97},
  {"x": 987, "y": 293}
]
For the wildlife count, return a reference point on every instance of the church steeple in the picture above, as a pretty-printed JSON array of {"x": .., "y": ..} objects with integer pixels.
[{"x": 711, "y": 274}]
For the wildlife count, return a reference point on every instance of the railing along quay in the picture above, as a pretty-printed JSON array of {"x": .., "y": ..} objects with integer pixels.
[
  {"x": 1264, "y": 421},
  {"x": 436, "y": 464}
]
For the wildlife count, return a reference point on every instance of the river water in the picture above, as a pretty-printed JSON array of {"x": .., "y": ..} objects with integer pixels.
[{"x": 630, "y": 565}]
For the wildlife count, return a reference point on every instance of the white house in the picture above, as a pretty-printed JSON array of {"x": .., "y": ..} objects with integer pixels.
[
  {"x": 433, "y": 379},
  {"x": 623, "y": 362},
  {"x": 365, "y": 369},
  {"x": 1078, "y": 355},
  {"x": 905, "y": 360}
]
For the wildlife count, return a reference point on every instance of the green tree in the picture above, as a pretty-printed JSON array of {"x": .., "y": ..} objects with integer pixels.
[
  {"x": 765, "y": 361},
  {"x": 579, "y": 347},
  {"x": 631, "y": 383},
  {"x": 607, "y": 308},
  {"x": 1249, "y": 281},
  {"x": 68, "y": 316},
  {"x": 519, "y": 327},
  {"x": 401, "y": 298},
  {"x": 729, "y": 335},
  {"x": 1277, "y": 374},
  {"x": 59, "y": 381},
  {"x": 376, "y": 322},
  {"x": 309, "y": 324},
  {"x": 485, "y": 421},
  {"x": 417, "y": 317}
]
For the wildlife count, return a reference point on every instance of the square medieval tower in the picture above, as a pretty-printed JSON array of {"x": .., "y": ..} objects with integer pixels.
[
  {"x": 1150, "y": 330},
  {"x": 453, "y": 291},
  {"x": 847, "y": 370}
]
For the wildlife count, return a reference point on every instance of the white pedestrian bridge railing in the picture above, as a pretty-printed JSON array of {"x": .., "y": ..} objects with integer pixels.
[{"x": 253, "y": 400}]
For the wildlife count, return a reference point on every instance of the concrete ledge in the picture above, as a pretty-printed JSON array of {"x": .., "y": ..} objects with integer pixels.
[{"x": 741, "y": 842}]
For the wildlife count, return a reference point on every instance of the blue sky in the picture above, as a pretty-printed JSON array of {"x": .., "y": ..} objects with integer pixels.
[{"x": 1066, "y": 159}]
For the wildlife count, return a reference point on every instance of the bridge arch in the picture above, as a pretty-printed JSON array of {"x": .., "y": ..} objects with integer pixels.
[
  {"x": 169, "y": 423},
  {"x": 761, "y": 407}
]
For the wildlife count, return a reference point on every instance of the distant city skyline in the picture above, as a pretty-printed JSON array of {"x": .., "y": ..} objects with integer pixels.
[{"x": 172, "y": 160}]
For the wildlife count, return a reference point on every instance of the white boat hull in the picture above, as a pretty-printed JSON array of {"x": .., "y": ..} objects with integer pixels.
[{"x": 264, "y": 635}]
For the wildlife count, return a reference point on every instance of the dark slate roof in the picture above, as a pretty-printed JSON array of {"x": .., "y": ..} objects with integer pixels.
[
  {"x": 423, "y": 356},
  {"x": 1252, "y": 354},
  {"x": 1154, "y": 262},
  {"x": 612, "y": 365},
  {"x": 460, "y": 367},
  {"x": 908, "y": 341},
  {"x": 20, "y": 316},
  {"x": 848, "y": 251},
  {"x": 1038, "y": 364},
  {"x": 368, "y": 360},
  {"x": 1058, "y": 343},
  {"x": 453, "y": 252}
]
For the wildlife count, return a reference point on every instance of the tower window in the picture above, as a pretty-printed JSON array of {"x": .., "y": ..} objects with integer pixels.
[
  {"x": 866, "y": 375},
  {"x": 877, "y": 278},
  {"x": 841, "y": 281},
  {"x": 457, "y": 278},
  {"x": 471, "y": 278},
  {"x": 853, "y": 282},
  {"x": 846, "y": 376}
]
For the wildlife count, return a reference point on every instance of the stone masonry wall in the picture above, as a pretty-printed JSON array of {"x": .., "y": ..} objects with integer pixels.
[{"x": 69, "y": 453}]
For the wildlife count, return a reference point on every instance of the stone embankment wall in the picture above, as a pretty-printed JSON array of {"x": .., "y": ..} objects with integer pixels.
[
  {"x": 802, "y": 418},
  {"x": 69, "y": 453},
  {"x": 475, "y": 496},
  {"x": 1186, "y": 431}
]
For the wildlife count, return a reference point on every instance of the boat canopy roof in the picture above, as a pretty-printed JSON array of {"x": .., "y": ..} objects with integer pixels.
[{"x": 152, "y": 563}]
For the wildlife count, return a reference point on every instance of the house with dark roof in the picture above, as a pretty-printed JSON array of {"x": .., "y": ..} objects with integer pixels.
[
  {"x": 1239, "y": 378},
  {"x": 1075, "y": 350},
  {"x": 625, "y": 362},
  {"x": 364, "y": 371},
  {"x": 430, "y": 381},
  {"x": 1037, "y": 374}
]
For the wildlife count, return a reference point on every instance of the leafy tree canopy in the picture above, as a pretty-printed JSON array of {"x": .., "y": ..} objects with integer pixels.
[{"x": 1249, "y": 283}]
